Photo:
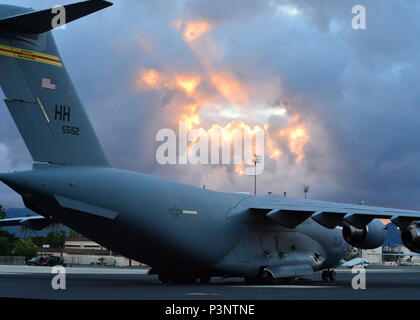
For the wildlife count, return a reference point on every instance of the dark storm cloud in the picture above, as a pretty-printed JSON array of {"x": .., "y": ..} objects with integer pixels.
[{"x": 357, "y": 91}]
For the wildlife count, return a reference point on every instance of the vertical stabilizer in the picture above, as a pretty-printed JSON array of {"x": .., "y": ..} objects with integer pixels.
[{"x": 39, "y": 93}]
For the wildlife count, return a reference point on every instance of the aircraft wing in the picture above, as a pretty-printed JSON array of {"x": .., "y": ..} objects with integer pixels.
[
  {"x": 33, "y": 222},
  {"x": 290, "y": 212}
]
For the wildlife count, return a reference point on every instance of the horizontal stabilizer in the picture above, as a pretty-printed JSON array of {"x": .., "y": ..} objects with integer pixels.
[
  {"x": 41, "y": 21},
  {"x": 35, "y": 223}
]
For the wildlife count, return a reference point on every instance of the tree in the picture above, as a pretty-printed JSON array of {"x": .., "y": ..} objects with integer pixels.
[
  {"x": 54, "y": 227},
  {"x": 2, "y": 212},
  {"x": 25, "y": 230},
  {"x": 26, "y": 248},
  {"x": 6, "y": 243},
  {"x": 55, "y": 239},
  {"x": 351, "y": 253},
  {"x": 72, "y": 233},
  {"x": 6, "y": 246}
]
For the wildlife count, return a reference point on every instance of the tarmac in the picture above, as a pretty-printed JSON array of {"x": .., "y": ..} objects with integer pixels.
[{"x": 106, "y": 283}]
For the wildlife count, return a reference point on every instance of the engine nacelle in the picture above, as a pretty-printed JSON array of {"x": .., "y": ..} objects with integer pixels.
[
  {"x": 411, "y": 238},
  {"x": 370, "y": 237}
]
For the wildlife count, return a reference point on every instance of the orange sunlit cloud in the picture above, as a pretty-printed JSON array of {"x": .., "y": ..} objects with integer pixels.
[
  {"x": 230, "y": 90},
  {"x": 151, "y": 78},
  {"x": 235, "y": 92},
  {"x": 297, "y": 138},
  {"x": 385, "y": 221},
  {"x": 194, "y": 30},
  {"x": 239, "y": 169},
  {"x": 230, "y": 87},
  {"x": 177, "y": 24},
  {"x": 188, "y": 84},
  {"x": 190, "y": 116}
]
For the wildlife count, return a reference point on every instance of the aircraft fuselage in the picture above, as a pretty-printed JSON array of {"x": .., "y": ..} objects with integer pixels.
[{"x": 172, "y": 226}]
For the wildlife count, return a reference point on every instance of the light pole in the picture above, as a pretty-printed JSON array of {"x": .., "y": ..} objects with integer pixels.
[
  {"x": 256, "y": 159},
  {"x": 305, "y": 190}
]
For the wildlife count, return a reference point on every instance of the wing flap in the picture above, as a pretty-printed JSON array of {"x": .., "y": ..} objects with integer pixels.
[
  {"x": 291, "y": 213},
  {"x": 327, "y": 219},
  {"x": 289, "y": 218}
]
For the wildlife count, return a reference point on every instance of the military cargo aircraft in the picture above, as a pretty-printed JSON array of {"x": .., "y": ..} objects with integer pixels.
[{"x": 184, "y": 233}]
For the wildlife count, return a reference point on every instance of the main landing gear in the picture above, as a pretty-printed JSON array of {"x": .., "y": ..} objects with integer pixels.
[
  {"x": 266, "y": 278},
  {"x": 183, "y": 278},
  {"x": 328, "y": 275}
]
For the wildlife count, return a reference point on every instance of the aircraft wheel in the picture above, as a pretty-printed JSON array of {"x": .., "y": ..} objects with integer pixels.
[
  {"x": 332, "y": 275},
  {"x": 289, "y": 280},
  {"x": 250, "y": 280},
  {"x": 185, "y": 279},
  {"x": 328, "y": 275},
  {"x": 205, "y": 279},
  {"x": 267, "y": 278},
  {"x": 164, "y": 278}
]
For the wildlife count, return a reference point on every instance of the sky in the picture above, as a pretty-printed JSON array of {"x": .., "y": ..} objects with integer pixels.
[{"x": 339, "y": 107}]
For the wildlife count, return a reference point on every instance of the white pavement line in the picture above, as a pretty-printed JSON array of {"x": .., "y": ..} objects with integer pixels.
[
  {"x": 202, "y": 294},
  {"x": 286, "y": 287},
  {"x": 381, "y": 270},
  {"x": 70, "y": 270}
]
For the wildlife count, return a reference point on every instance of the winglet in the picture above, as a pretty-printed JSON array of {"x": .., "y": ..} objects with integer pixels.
[{"x": 41, "y": 21}]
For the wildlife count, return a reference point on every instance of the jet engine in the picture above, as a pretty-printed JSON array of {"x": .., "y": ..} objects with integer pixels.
[
  {"x": 411, "y": 237},
  {"x": 370, "y": 237}
]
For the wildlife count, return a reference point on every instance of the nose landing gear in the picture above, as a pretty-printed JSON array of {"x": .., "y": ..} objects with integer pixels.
[{"x": 328, "y": 275}]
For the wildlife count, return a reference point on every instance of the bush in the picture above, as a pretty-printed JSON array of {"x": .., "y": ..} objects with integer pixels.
[
  {"x": 26, "y": 248},
  {"x": 6, "y": 246}
]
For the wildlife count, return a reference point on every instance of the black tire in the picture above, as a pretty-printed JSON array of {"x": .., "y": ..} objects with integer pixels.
[
  {"x": 164, "y": 278},
  {"x": 248, "y": 280},
  {"x": 332, "y": 276},
  {"x": 289, "y": 280},
  {"x": 325, "y": 275},
  {"x": 266, "y": 277},
  {"x": 205, "y": 279},
  {"x": 184, "y": 279}
]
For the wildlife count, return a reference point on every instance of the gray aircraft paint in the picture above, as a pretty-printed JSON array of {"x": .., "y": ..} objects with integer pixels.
[
  {"x": 167, "y": 225},
  {"x": 151, "y": 226}
]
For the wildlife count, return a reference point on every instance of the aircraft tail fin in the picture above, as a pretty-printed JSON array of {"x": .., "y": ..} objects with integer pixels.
[
  {"x": 41, "y": 21},
  {"x": 40, "y": 95}
]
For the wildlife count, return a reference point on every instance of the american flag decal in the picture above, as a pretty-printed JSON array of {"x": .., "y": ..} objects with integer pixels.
[{"x": 47, "y": 84}]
